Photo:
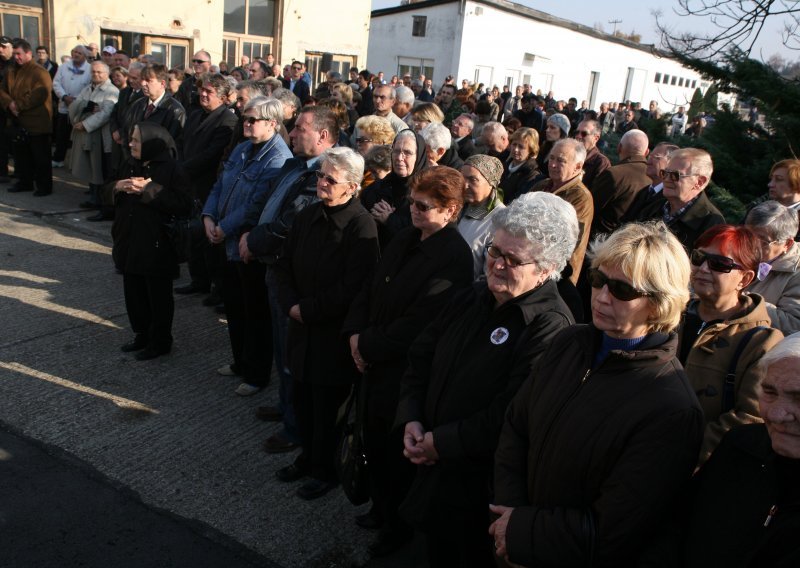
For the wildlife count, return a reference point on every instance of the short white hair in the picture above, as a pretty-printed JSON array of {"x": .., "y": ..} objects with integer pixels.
[
  {"x": 786, "y": 348},
  {"x": 347, "y": 161},
  {"x": 578, "y": 147},
  {"x": 634, "y": 142},
  {"x": 404, "y": 95},
  {"x": 437, "y": 136}
]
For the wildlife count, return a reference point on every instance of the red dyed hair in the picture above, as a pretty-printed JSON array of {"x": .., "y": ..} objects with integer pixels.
[
  {"x": 736, "y": 241},
  {"x": 445, "y": 186}
]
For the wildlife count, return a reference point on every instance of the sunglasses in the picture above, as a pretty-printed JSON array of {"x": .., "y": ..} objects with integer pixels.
[
  {"x": 327, "y": 178},
  {"x": 716, "y": 262},
  {"x": 583, "y": 133},
  {"x": 673, "y": 175},
  {"x": 510, "y": 261},
  {"x": 251, "y": 120},
  {"x": 619, "y": 289},
  {"x": 362, "y": 140},
  {"x": 198, "y": 61},
  {"x": 420, "y": 205}
]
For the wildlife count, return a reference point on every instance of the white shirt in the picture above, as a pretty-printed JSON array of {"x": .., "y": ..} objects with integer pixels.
[{"x": 68, "y": 83}]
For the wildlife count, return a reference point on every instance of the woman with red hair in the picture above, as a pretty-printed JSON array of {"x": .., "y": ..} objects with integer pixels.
[{"x": 724, "y": 330}]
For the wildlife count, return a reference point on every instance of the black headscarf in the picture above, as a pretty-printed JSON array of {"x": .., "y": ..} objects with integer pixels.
[
  {"x": 158, "y": 149},
  {"x": 422, "y": 153},
  {"x": 393, "y": 189}
]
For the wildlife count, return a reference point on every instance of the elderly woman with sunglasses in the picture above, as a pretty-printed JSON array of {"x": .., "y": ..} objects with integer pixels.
[
  {"x": 466, "y": 366},
  {"x": 604, "y": 434},
  {"x": 245, "y": 176},
  {"x": 725, "y": 331},
  {"x": 778, "y": 276}
]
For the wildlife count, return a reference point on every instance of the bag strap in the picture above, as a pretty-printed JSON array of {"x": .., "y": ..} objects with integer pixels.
[{"x": 728, "y": 401}]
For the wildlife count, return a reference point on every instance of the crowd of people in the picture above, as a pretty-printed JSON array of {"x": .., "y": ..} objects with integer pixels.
[{"x": 561, "y": 360}]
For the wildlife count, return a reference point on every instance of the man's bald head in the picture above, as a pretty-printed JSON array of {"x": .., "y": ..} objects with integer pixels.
[{"x": 633, "y": 143}]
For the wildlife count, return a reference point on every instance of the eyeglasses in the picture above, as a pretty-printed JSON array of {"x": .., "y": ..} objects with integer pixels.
[
  {"x": 673, "y": 175},
  {"x": 198, "y": 61},
  {"x": 421, "y": 206},
  {"x": 716, "y": 262},
  {"x": 619, "y": 289},
  {"x": 362, "y": 140},
  {"x": 251, "y": 120},
  {"x": 508, "y": 260},
  {"x": 321, "y": 176},
  {"x": 379, "y": 97}
]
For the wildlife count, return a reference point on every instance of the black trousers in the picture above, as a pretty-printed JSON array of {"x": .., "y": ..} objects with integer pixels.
[
  {"x": 32, "y": 162},
  {"x": 206, "y": 262},
  {"x": 459, "y": 538},
  {"x": 151, "y": 307},
  {"x": 249, "y": 322},
  {"x": 5, "y": 145},
  {"x": 62, "y": 134},
  {"x": 316, "y": 408}
]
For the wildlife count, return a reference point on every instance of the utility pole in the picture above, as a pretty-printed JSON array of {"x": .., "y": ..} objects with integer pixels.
[{"x": 614, "y": 23}]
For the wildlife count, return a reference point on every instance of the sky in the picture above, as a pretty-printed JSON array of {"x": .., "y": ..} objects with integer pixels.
[{"x": 637, "y": 16}]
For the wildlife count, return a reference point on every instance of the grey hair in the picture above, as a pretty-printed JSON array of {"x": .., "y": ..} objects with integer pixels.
[
  {"x": 83, "y": 50},
  {"x": 391, "y": 90},
  {"x": 287, "y": 97},
  {"x": 404, "y": 95},
  {"x": 634, "y": 141},
  {"x": 548, "y": 223},
  {"x": 786, "y": 348},
  {"x": 700, "y": 160},
  {"x": 269, "y": 109},
  {"x": 779, "y": 221},
  {"x": 232, "y": 82},
  {"x": 406, "y": 132},
  {"x": 136, "y": 66},
  {"x": 347, "y": 161},
  {"x": 101, "y": 64},
  {"x": 334, "y": 76},
  {"x": 437, "y": 136},
  {"x": 468, "y": 118},
  {"x": 252, "y": 88},
  {"x": 416, "y": 83},
  {"x": 578, "y": 147},
  {"x": 493, "y": 127}
]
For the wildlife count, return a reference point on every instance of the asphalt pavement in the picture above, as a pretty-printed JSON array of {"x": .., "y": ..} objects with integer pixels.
[{"x": 114, "y": 462}]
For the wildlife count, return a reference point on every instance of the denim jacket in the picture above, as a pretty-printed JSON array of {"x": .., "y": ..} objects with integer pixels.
[{"x": 243, "y": 180}]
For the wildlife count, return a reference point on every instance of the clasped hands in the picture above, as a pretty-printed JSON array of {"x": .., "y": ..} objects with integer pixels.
[
  {"x": 214, "y": 232},
  {"x": 133, "y": 185},
  {"x": 381, "y": 211},
  {"x": 418, "y": 445}
]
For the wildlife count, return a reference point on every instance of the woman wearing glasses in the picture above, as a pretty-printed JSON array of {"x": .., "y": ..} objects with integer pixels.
[
  {"x": 725, "y": 331},
  {"x": 331, "y": 249},
  {"x": 465, "y": 367},
  {"x": 602, "y": 437},
  {"x": 245, "y": 176},
  {"x": 418, "y": 273}
]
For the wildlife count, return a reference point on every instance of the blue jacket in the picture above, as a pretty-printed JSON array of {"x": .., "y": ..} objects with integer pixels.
[{"x": 243, "y": 180}]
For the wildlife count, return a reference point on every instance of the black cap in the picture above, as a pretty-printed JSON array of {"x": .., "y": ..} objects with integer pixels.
[{"x": 6, "y": 40}]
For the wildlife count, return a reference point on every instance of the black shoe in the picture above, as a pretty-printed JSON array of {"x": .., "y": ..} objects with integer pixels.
[
  {"x": 17, "y": 188},
  {"x": 314, "y": 489},
  {"x": 42, "y": 192},
  {"x": 192, "y": 289},
  {"x": 100, "y": 216},
  {"x": 371, "y": 521},
  {"x": 269, "y": 414},
  {"x": 290, "y": 473},
  {"x": 139, "y": 342},
  {"x": 277, "y": 444},
  {"x": 151, "y": 353},
  {"x": 388, "y": 541},
  {"x": 89, "y": 205}
]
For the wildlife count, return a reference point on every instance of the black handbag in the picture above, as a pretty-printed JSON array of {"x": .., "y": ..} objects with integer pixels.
[
  {"x": 351, "y": 458},
  {"x": 182, "y": 232}
]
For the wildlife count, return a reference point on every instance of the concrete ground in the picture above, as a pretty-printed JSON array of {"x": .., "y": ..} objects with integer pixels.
[{"x": 169, "y": 432}]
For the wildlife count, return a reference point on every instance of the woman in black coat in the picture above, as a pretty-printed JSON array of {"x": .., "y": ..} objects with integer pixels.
[
  {"x": 465, "y": 367},
  {"x": 420, "y": 269},
  {"x": 520, "y": 172},
  {"x": 330, "y": 250},
  {"x": 386, "y": 198},
  {"x": 155, "y": 189}
]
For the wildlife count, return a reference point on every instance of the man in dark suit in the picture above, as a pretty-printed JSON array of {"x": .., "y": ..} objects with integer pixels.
[
  {"x": 652, "y": 192},
  {"x": 207, "y": 132},
  {"x": 296, "y": 84},
  {"x": 366, "y": 105},
  {"x": 529, "y": 115},
  {"x": 157, "y": 105},
  {"x": 614, "y": 189},
  {"x": 461, "y": 129}
]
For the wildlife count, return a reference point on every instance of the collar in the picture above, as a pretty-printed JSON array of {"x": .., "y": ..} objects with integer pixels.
[
  {"x": 533, "y": 302},
  {"x": 313, "y": 163},
  {"x": 157, "y": 103}
]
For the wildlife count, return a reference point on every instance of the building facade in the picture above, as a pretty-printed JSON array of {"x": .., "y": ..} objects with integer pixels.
[{"x": 496, "y": 42}]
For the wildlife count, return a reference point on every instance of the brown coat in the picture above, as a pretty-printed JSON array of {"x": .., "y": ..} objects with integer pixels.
[
  {"x": 29, "y": 87},
  {"x": 613, "y": 192},
  {"x": 576, "y": 194}
]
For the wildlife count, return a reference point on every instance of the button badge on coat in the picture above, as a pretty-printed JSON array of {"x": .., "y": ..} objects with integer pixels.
[{"x": 499, "y": 336}]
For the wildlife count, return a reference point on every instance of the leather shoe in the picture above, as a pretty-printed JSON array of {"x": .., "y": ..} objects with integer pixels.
[
  {"x": 290, "y": 473},
  {"x": 371, "y": 520},
  {"x": 269, "y": 413},
  {"x": 151, "y": 353},
  {"x": 17, "y": 188},
  {"x": 277, "y": 444},
  {"x": 139, "y": 342},
  {"x": 100, "y": 216},
  {"x": 192, "y": 289},
  {"x": 388, "y": 541},
  {"x": 314, "y": 489}
]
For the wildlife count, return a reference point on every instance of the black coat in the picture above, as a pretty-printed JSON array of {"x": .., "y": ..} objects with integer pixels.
[
  {"x": 169, "y": 114},
  {"x": 205, "y": 138},
  {"x": 519, "y": 182},
  {"x": 410, "y": 285},
  {"x": 701, "y": 216},
  {"x": 328, "y": 255},
  {"x": 463, "y": 370},
  {"x": 118, "y": 119},
  {"x": 614, "y": 190},
  {"x": 466, "y": 147},
  {"x": 591, "y": 457},
  {"x": 301, "y": 89}
]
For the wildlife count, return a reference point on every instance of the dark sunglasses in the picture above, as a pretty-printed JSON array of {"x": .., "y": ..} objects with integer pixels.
[
  {"x": 420, "y": 205},
  {"x": 510, "y": 261},
  {"x": 198, "y": 61},
  {"x": 716, "y": 262},
  {"x": 619, "y": 289},
  {"x": 583, "y": 133},
  {"x": 251, "y": 120},
  {"x": 673, "y": 175},
  {"x": 362, "y": 140},
  {"x": 327, "y": 178}
]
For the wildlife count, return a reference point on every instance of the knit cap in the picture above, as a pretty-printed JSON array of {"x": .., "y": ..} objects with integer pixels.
[
  {"x": 490, "y": 167},
  {"x": 561, "y": 121}
]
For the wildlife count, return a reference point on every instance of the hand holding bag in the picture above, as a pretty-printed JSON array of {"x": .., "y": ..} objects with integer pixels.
[{"x": 351, "y": 458}]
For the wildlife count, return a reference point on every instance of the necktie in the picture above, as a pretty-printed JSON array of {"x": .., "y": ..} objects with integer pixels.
[{"x": 149, "y": 110}]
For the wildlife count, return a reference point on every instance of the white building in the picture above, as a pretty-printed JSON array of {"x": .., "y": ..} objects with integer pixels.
[{"x": 496, "y": 42}]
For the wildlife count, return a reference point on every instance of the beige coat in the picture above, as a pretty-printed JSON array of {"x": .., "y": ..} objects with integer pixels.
[
  {"x": 781, "y": 290},
  {"x": 88, "y": 147},
  {"x": 708, "y": 363}
]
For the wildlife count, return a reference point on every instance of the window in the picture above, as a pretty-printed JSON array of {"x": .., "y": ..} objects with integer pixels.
[
  {"x": 168, "y": 51},
  {"x": 249, "y": 27},
  {"x": 418, "y": 25},
  {"x": 680, "y": 82},
  {"x": 666, "y": 80},
  {"x": 339, "y": 63},
  {"x": 694, "y": 83},
  {"x": 415, "y": 67},
  {"x": 22, "y": 24},
  {"x": 658, "y": 78},
  {"x": 674, "y": 80}
]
